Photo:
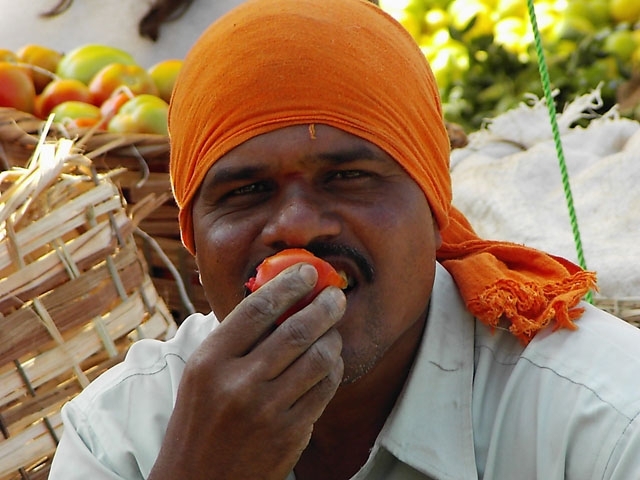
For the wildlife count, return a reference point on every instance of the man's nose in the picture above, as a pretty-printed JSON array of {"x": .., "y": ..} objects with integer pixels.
[{"x": 301, "y": 217}]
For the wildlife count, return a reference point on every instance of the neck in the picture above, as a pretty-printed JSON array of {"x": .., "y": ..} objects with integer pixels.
[{"x": 347, "y": 430}]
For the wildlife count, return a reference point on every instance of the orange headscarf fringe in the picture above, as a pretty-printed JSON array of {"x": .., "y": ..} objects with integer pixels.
[
  {"x": 509, "y": 284},
  {"x": 269, "y": 64}
]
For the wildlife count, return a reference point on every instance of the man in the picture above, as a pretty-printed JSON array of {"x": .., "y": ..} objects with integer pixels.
[{"x": 317, "y": 124}]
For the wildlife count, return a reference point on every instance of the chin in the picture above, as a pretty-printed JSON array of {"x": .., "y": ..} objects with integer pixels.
[{"x": 359, "y": 365}]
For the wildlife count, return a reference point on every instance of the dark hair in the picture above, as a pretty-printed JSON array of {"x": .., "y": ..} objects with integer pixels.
[{"x": 161, "y": 11}]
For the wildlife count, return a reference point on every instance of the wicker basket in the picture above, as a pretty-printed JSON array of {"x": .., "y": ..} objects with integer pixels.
[
  {"x": 146, "y": 160},
  {"x": 625, "y": 308},
  {"x": 75, "y": 292}
]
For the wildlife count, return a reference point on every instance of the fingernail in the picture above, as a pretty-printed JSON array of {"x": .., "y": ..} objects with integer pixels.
[
  {"x": 308, "y": 273},
  {"x": 337, "y": 296}
]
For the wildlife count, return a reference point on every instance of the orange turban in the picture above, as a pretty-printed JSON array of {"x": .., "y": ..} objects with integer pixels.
[{"x": 268, "y": 64}]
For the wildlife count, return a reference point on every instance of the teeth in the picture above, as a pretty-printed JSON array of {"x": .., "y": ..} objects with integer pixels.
[
  {"x": 350, "y": 281},
  {"x": 344, "y": 276}
]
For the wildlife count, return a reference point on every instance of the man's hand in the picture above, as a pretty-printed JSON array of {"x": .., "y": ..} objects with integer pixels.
[{"x": 248, "y": 399}]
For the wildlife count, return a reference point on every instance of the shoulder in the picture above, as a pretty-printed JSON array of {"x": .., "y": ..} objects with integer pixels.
[
  {"x": 149, "y": 361},
  {"x": 118, "y": 422},
  {"x": 565, "y": 389},
  {"x": 601, "y": 356}
]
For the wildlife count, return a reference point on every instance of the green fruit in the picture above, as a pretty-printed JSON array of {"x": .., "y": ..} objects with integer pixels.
[
  {"x": 573, "y": 28},
  {"x": 144, "y": 113},
  {"x": 621, "y": 43},
  {"x": 435, "y": 19},
  {"x": 625, "y": 10},
  {"x": 83, "y": 62},
  {"x": 73, "y": 109}
]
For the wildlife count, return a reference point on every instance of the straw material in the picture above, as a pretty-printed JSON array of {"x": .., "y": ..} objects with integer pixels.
[
  {"x": 75, "y": 292},
  {"x": 20, "y": 132},
  {"x": 146, "y": 160},
  {"x": 625, "y": 308}
]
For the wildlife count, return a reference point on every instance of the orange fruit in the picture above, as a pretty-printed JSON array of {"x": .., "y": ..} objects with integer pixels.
[{"x": 44, "y": 59}]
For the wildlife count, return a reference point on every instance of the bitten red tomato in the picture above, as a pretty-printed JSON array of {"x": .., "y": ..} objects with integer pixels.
[{"x": 272, "y": 266}]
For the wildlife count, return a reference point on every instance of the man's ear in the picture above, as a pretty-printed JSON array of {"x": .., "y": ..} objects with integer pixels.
[
  {"x": 436, "y": 232},
  {"x": 195, "y": 259}
]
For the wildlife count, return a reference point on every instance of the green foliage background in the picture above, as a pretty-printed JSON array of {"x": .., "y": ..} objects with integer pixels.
[{"x": 482, "y": 73}]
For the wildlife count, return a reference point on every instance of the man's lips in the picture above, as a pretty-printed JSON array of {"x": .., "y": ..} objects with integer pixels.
[
  {"x": 273, "y": 265},
  {"x": 343, "y": 257},
  {"x": 348, "y": 262},
  {"x": 346, "y": 270}
]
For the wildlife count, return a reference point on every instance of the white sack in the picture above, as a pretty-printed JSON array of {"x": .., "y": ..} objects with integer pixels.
[{"x": 510, "y": 188}]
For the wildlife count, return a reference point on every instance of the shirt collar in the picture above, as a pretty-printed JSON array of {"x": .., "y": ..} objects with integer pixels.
[{"x": 430, "y": 428}]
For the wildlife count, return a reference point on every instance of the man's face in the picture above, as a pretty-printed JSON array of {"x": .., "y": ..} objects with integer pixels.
[{"x": 341, "y": 197}]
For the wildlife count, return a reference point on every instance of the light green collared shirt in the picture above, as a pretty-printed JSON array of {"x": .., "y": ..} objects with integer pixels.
[{"x": 477, "y": 404}]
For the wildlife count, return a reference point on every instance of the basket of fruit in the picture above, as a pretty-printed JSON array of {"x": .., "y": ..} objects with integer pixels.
[
  {"x": 75, "y": 292},
  {"x": 117, "y": 112}
]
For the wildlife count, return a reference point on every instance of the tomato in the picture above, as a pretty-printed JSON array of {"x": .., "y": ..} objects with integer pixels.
[
  {"x": 111, "y": 106},
  {"x": 8, "y": 56},
  {"x": 144, "y": 113},
  {"x": 621, "y": 43},
  {"x": 16, "y": 88},
  {"x": 625, "y": 10},
  {"x": 82, "y": 122},
  {"x": 272, "y": 266},
  {"x": 115, "y": 75},
  {"x": 59, "y": 91},
  {"x": 44, "y": 59}
]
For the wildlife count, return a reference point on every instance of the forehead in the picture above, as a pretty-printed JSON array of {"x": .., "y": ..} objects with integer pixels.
[{"x": 312, "y": 144}]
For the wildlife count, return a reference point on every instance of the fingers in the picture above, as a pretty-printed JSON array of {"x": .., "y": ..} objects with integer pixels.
[
  {"x": 305, "y": 333},
  {"x": 255, "y": 316},
  {"x": 310, "y": 383},
  {"x": 254, "y": 394},
  {"x": 301, "y": 358},
  {"x": 315, "y": 400}
]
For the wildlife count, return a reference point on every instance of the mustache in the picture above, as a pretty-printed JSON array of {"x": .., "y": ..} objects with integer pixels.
[{"x": 323, "y": 249}]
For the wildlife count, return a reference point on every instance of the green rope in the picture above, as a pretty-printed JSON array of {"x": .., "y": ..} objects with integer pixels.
[{"x": 546, "y": 87}]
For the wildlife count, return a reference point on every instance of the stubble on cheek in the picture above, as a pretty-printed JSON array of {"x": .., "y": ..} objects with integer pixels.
[
  {"x": 356, "y": 370},
  {"x": 363, "y": 353}
]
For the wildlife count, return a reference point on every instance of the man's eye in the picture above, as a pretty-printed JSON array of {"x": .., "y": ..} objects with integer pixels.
[
  {"x": 249, "y": 189},
  {"x": 348, "y": 174}
]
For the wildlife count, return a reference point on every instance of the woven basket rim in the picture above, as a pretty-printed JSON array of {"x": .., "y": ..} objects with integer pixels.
[
  {"x": 626, "y": 308},
  {"x": 76, "y": 290},
  {"x": 24, "y": 129}
]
